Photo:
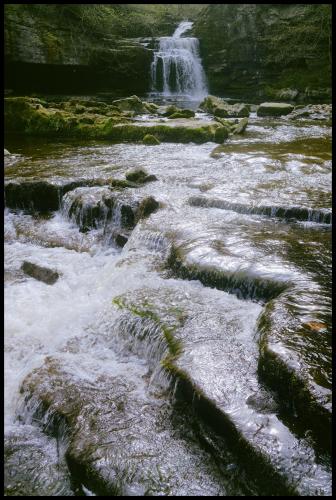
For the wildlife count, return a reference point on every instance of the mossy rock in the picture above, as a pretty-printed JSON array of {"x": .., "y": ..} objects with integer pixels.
[
  {"x": 221, "y": 134},
  {"x": 218, "y": 107},
  {"x": 150, "y": 139},
  {"x": 217, "y": 151},
  {"x": 29, "y": 116},
  {"x": 86, "y": 119},
  {"x": 182, "y": 114},
  {"x": 121, "y": 184},
  {"x": 274, "y": 109},
  {"x": 139, "y": 176},
  {"x": 40, "y": 273},
  {"x": 132, "y": 103},
  {"x": 146, "y": 207},
  {"x": 240, "y": 127}
]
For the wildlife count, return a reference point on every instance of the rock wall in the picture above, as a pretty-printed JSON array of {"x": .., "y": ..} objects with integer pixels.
[
  {"x": 267, "y": 51},
  {"x": 44, "y": 54},
  {"x": 253, "y": 51}
]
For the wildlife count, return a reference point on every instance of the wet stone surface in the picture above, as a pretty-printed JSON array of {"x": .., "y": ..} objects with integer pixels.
[
  {"x": 122, "y": 439},
  {"x": 215, "y": 355},
  {"x": 211, "y": 371},
  {"x": 33, "y": 464}
]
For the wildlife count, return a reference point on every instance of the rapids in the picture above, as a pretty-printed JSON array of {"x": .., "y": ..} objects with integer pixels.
[{"x": 234, "y": 237}]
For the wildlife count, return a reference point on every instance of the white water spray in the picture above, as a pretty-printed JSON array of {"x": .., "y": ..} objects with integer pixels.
[{"x": 177, "y": 67}]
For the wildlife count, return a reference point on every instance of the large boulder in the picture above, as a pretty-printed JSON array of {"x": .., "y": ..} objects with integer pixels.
[
  {"x": 274, "y": 109},
  {"x": 218, "y": 107}
]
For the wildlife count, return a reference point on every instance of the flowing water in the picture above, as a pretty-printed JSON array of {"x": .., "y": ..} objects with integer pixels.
[
  {"x": 250, "y": 226},
  {"x": 177, "y": 68}
]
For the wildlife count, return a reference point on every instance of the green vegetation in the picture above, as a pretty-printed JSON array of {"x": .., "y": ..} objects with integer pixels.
[
  {"x": 300, "y": 37},
  {"x": 118, "y": 20},
  {"x": 150, "y": 139}
]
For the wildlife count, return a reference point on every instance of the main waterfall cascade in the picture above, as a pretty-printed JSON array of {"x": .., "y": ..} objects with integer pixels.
[{"x": 177, "y": 67}]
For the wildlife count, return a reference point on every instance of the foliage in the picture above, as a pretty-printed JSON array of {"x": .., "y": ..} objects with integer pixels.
[
  {"x": 308, "y": 36},
  {"x": 116, "y": 20}
]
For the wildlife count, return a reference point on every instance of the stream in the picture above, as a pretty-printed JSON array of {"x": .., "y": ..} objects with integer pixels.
[{"x": 89, "y": 406}]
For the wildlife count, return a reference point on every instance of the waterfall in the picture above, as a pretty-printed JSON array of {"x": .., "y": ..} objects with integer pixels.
[{"x": 177, "y": 67}]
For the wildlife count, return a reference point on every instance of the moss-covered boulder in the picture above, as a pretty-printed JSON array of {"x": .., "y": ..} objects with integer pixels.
[
  {"x": 221, "y": 133},
  {"x": 133, "y": 103},
  {"x": 139, "y": 176},
  {"x": 218, "y": 107},
  {"x": 30, "y": 116},
  {"x": 274, "y": 109},
  {"x": 146, "y": 207},
  {"x": 175, "y": 112},
  {"x": 150, "y": 140}
]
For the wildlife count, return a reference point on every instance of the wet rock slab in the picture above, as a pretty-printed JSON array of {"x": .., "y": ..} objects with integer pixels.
[
  {"x": 256, "y": 262},
  {"x": 120, "y": 440},
  {"x": 208, "y": 345},
  {"x": 274, "y": 109},
  {"x": 294, "y": 213},
  {"x": 30, "y": 454}
]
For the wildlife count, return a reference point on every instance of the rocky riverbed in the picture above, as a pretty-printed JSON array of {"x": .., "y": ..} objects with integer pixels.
[{"x": 185, "y": 345}]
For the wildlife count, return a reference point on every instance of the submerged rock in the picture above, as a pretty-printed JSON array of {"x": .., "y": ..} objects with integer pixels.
[
  {"x": 150, "y": 139},
  {"x": 274, "y": 109},
  {"x": 286, "y": 364},
  {"x": 34, "y": 465},
  {"x": 6, "y": 152},
  {"x": 217, "y": 151},
  {"x": 289, "y": 213},
  {"x": 88, "y": 207},
  {"x": 40, "y": 273},
  {"x": 139, "y": 176},
  {"x": 146, "y": 207}
]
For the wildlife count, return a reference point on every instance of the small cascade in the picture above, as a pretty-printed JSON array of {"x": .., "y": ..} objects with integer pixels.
[{"x": 177, "y": 67}]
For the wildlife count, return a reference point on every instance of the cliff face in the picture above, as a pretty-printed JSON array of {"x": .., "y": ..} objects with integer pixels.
[
  {"x": 48, "y": 53},
  {"x": 251, "y": 50}
]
